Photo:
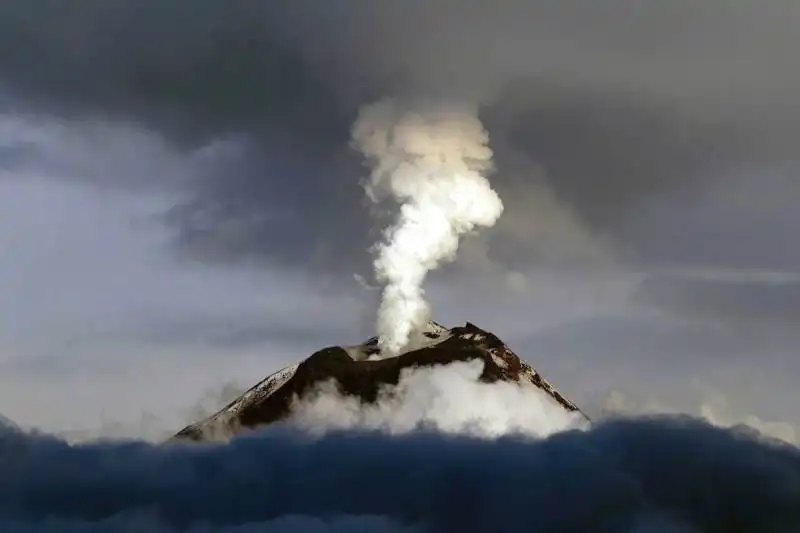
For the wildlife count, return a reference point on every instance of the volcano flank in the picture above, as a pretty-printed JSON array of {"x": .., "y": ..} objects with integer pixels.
[{"x": 361, "y": 372}]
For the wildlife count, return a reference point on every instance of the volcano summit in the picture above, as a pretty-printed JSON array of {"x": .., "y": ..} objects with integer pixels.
[{"x": 363, "y": 373}]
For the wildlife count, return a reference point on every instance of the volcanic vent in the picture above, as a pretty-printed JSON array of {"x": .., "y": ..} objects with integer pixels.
[{"x": 360, "y": 372}]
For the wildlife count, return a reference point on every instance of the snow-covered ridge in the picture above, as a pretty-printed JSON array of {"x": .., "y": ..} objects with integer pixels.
[
  {"x": 433, "y": 333},
  {"x": 261, "y": 390},
  {"x": 265, "y": 387}
]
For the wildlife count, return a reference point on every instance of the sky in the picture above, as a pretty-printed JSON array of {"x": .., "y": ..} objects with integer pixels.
[{"x": 181, "y": 211}]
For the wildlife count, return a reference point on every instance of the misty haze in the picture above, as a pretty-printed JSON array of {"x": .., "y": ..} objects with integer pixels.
[{"x": 198, "y": 196}]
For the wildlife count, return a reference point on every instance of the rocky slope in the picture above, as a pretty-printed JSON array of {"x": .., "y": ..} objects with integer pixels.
[{"x": 359, "y": 372}]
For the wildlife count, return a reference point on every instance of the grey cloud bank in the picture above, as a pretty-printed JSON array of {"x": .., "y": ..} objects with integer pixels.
[
  {"x": 617, "y": 102},
  {"x": 646, "y": 476}
]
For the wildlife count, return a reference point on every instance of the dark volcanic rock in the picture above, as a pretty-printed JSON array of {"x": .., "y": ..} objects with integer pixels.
[{"x": 271, "y": 400}]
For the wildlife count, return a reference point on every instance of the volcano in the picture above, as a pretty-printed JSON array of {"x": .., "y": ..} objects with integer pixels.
[{"x": 361, "y": 371}]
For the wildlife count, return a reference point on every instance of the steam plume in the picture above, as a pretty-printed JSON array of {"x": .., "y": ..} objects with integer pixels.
[{"x": 433, "y": 161}]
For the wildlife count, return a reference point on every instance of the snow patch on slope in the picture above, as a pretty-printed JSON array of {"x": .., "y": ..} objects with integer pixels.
[{"x": 259, "y": 391}]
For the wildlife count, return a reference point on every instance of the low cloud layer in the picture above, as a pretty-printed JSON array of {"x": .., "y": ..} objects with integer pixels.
[{"x": 656, "y": 475}]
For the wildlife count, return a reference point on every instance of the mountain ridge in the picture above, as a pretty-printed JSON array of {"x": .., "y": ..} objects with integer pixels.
[{"x": 360, "y": 371}]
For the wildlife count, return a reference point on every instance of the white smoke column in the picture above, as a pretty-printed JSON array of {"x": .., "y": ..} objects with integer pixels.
[{"x": 433, "y": 161}]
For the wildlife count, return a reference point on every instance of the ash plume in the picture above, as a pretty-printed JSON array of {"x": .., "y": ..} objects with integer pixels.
[{"x": 432, "y": 160}]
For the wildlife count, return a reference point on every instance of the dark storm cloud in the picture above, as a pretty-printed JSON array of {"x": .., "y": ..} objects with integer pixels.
[
  {"x": 194, "y": 70},
  {"x": 618, "y": 101},
  {"x": 645, "y": 476}
]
